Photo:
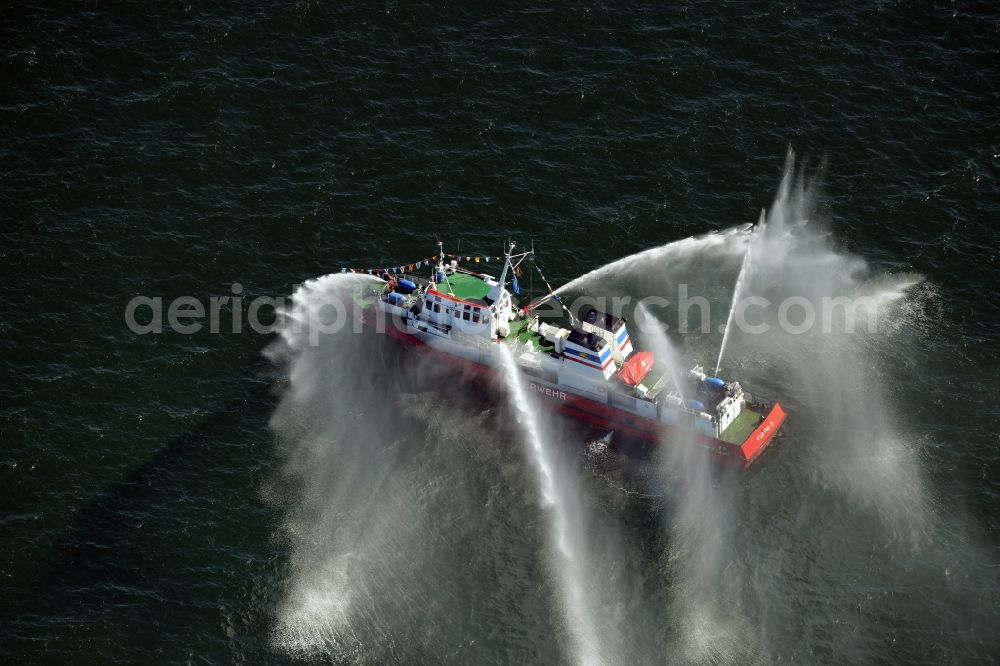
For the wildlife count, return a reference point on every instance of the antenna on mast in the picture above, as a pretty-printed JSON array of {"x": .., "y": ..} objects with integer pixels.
[{"x": 442, "y": 273}]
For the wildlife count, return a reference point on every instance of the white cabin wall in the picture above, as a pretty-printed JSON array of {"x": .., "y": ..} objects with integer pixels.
[{"x": 591, "y": 383}]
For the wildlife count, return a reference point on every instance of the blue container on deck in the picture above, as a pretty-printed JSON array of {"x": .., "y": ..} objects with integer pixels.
[
  {"x": 395, "y": 298},
  {"x": 405, "y": 286},
  {"x": 696, "y": 404},
  {"x": 440, "y": 277},
  {"x": 715, "y": 383}
]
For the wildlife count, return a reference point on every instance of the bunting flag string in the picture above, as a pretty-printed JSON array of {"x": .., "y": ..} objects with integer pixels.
[{"x": 410, "y": 268}]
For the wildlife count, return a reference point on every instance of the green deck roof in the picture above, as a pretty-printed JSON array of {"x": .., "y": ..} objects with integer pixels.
[
  {"x": 464, "y": 286},
  {"x": 741, "y": 427}
]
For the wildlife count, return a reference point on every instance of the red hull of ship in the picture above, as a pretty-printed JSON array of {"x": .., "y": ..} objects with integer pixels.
[{"x": 622, "y": 422}]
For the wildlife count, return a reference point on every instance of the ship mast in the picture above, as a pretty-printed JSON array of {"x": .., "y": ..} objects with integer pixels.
[
  {"x": 441, "y": 271},
  {"x": 497, "y": 290}
]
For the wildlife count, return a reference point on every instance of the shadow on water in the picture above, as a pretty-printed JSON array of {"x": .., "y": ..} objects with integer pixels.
[
  {"x": 172, "y": 534},
  {"x": 106, "y": 521}
]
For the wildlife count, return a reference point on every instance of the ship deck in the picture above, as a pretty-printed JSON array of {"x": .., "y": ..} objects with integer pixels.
[
  {"x": 742, "y": 426},
  {"x": 519, "y": 331}
]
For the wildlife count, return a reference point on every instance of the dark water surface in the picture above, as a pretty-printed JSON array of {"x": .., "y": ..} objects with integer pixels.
[{"x": 153, "y": 512}]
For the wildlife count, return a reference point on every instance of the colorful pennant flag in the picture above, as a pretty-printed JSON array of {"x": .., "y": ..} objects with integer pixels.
[{"x": 405, "y": 268}]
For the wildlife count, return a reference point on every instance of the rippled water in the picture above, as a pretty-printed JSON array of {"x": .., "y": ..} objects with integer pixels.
[{"x": 154, "y": 512}]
